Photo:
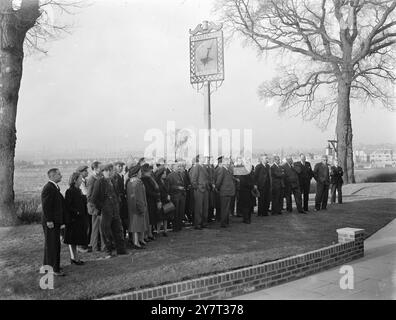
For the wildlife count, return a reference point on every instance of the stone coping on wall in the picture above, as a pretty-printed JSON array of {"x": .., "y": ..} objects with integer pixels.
[{"x": 240, "y": 281}]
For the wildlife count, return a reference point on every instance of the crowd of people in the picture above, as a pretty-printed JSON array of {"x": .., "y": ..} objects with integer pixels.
[{"x": 120, "y": 207}]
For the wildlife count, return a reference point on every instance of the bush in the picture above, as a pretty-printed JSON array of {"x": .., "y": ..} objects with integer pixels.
[
  {"x": 28, "y": 210},
  {"x": 376, "y": 175}
]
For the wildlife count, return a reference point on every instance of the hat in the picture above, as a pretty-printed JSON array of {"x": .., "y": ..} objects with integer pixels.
[
  {"x": 119, "y": 163},
  {"x": 141, "y": 161},
  {"x": 219, "y": 159},
  {"x": 82, "y": 168},
  {"x": 133, "y": 169},
  {"x": 146, "y": 167}
]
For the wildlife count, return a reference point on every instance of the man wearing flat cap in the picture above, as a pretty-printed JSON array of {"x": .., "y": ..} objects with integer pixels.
[{"x": 105, "y": 200}]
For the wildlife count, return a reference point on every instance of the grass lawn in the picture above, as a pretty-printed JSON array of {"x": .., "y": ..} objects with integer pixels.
[{"x": 190, "y": 253}]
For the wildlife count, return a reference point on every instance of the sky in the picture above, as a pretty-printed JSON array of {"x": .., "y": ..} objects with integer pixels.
[{"x": 124, "y": 69}]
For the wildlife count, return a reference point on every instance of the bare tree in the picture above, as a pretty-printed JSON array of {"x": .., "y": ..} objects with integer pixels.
[
  {"x": 331, "y": 52},
  {"x": 23, "y": 24}
]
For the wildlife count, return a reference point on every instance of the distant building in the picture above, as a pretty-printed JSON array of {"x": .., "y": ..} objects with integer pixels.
[
  {"x": 360, "y": 156},
  {"x": 382, "y": 158}
]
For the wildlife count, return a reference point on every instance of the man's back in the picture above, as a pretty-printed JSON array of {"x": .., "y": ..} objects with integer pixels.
[
  {"x": 199, "y": 177},
  {"x": 52, "y": 203}
]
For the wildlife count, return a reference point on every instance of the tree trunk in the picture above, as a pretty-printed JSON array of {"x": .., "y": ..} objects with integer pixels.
[
  {"x": 10, "y": 78},
  {"x": 14, "y": 25},
  {"x": 344, "y": 131}
]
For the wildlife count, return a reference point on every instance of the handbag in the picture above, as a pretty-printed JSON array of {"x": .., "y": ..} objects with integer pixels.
[{"x": 169, "y": 210}]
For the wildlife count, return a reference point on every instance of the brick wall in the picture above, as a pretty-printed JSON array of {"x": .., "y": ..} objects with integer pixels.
[{"x": 224, "y": 285}]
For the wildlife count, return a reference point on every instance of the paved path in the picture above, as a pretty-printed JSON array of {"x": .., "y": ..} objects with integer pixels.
[{"x": 374, "y": 276}]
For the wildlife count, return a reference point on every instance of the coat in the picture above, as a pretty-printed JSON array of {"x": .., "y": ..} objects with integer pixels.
[
  {"x": 153, "y": 197},
  {"x": 53, "y": 204},
  {"x": 92, "y": 210},
  {"x": 246, "y": 184},
  {"x": 225, "y": 182},
  {"x": 76, "y": 231},
  {"x": 200, "y": 178},
  {"x": 322, "y": 173},
  {"x": 277, "y": 176},
  {"x": 306, "y": 172},
  {"x": 175, "y": 183},
  {"x": 262, "y": 176},
  {"x": 291, "y": 176},
  {"x": 163, "y": 196},
  {"x": 137, "y": 205},
  {"x": 119, "y": 186},
  {"x": 336, "y": 174}
]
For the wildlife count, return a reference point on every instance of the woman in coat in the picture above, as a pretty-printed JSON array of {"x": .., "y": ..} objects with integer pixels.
[
  {"x": 153, "y": 197},
  {"x": 160, "y": 176},
  {"x": 77, "y": 218},
  {"x": 137, "y": 207}
]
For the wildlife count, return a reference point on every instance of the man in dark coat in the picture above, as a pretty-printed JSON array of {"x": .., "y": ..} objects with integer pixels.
[
  {"x": 292, "y": 185},
  {"x": 212, "y": 192},
  {"x": 200, "y": 184},
  {"x": 105, "y": 199},
  {"x": 305, "y": 175},
  {"x": 225, "y": 184},
  {"x": 277, "y": 178},
  {"x": 322, "y": 177},
  {"x": 176, "y": 187},
  {"x": 217, "y": 196},
  {"x": 118, "y": 182},
  {"x": 336, "y": 182},
  {"x": 53, "y": 220},
  {"x": 262, "y": 178}
]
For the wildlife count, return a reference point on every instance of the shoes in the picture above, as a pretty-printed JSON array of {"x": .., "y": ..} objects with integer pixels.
[
  {"x": 165, "y": 234},
  {"x": 223, "y": 226},
  {"x": 303, "y": 212},
  {"x": 122, "y": 252},
  {"x": 82, "y": 250},
  {"x": 76, "y": 262},
  {"x": 138, "y": 247},
  {"x": 143, "y": 243},
  {"x": 324, "y": 208},
  {"x": 59, "y": 274},
  {"x": 152, "y": 238},
  {"x": 316, "y": 210},
  {"x": 197, "y": 228}
]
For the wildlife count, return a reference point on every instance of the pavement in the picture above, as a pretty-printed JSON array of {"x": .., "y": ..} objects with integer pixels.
[{"x": 374, "y": 276}]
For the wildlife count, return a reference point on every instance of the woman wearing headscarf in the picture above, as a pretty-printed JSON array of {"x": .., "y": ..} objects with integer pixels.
[
  {"x": 77, "y": 218},
  {"x": 160, "y": 176},
  {"x": 137, "y": 207},
  {"x": 153, "y": 198}
]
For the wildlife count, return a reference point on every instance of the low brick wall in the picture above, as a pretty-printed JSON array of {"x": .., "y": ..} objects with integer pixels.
[{"x": 225, "y": 285}]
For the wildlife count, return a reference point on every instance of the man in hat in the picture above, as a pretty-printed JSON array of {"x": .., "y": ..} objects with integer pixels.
[
  {"x": 96, "y": 231},
  {"x": 83, "y": 170},
  {"x": 200, "y": 184},
  {"x": 117, "y": 179},
  {"x": 106, "y": 201},
  {"x": 262, "y": 177},
  {"x": 226, "y": 186}
]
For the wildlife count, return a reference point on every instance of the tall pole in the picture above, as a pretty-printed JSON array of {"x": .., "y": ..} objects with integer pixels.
[{"x": 208, "y": 114}]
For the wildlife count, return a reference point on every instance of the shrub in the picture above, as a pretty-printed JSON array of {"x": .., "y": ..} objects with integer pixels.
[{"x": 28, "y": 209}]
